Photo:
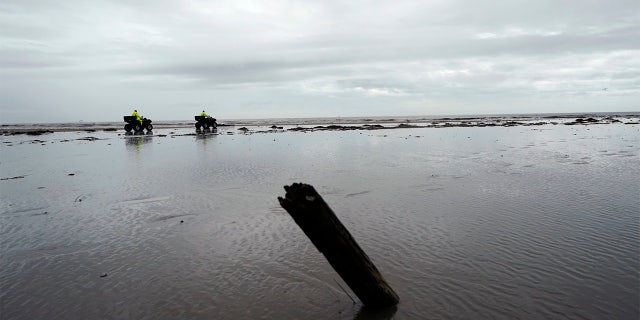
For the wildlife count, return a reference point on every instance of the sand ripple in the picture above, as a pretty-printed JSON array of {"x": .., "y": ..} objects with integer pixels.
[{"x": 464, "y": 223}]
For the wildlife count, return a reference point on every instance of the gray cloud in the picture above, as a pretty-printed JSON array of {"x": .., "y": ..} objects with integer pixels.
[{"x": 315, "y": 58}]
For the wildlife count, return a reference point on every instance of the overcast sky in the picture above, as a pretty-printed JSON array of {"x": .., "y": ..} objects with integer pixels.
[{"x": 71, "y": 60}]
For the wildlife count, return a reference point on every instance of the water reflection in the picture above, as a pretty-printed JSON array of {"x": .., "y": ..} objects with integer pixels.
[
  {"x": 204, "y": 131},
  {"x": 135, "y": 141},
  {"x": 376, "y": 314},
  {"x": 138, "y": 133},
  {"x": 205, "y": 134}
]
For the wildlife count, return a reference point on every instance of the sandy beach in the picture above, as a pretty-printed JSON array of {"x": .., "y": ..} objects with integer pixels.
[{"x": 529, "y": 218}]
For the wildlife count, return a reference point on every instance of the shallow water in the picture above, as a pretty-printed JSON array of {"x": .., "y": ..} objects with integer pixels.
[{"x": 464, "y": 223}]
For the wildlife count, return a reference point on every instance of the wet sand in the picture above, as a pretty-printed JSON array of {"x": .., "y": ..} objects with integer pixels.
[{"x": 465, "y": 221}]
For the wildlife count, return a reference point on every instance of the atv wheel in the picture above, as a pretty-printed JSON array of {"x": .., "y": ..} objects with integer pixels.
[
  {"x": 149, "y": 127},
  {"x": 127, "y": 127},
  {"x": 198, "y": 125},
  {"x": 137, "y": 127}
]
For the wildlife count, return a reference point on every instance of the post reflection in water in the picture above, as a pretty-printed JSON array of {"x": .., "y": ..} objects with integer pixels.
[{"x": 378, "y": 314}]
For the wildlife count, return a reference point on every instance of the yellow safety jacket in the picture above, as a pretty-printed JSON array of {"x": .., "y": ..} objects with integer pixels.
[{"x": 137, "y": 115}]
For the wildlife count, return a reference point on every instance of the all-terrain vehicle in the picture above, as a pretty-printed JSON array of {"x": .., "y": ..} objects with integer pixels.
[
  {"x": 134, "y": 124},
  {"x": 205, "y": 122}
]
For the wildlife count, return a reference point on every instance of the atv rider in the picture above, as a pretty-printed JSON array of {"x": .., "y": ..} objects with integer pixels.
[
  {"x": 137, "y": 115},
  {"x": 204, "y": 114}
]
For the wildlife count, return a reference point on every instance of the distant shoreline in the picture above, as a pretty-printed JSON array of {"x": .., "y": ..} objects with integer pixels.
[{"x": 350, "y": 123}]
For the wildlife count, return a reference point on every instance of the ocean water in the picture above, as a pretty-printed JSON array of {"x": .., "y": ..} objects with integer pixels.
[{"x": 538, "y": 222}]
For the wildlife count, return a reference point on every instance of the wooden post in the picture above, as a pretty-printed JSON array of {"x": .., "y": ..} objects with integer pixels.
[{"x": 326, "y": 232}]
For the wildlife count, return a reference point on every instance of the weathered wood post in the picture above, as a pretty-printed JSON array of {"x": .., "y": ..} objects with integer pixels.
[{"x": 326, "y": 232}]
